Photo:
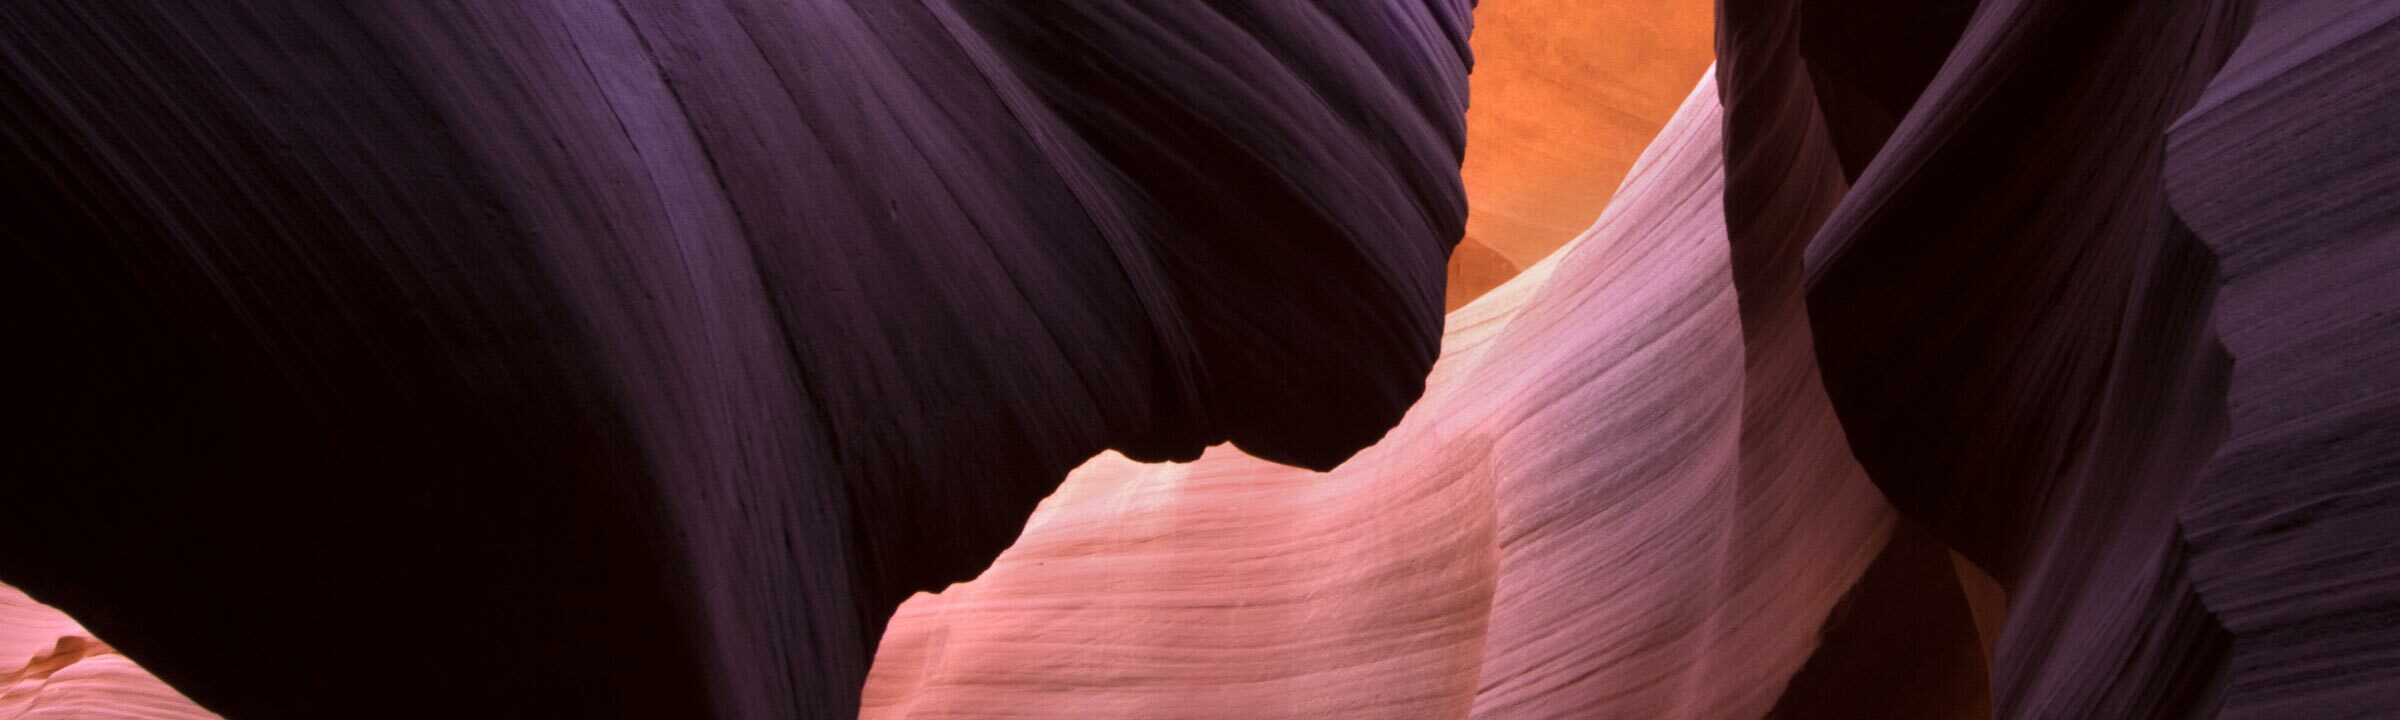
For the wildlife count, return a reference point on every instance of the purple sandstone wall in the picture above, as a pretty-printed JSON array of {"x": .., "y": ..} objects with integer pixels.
[{"x": 389, "y": 358}]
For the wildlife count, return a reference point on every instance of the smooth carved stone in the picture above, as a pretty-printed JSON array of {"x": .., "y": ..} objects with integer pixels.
[
  {"x": 1567, "y": 94},
  {"x": 1807, "y": 108},
  {"x": 1573, "y": 523},
  {"x": 53, "y": 669},
  {"x": 586, "y": 359},
  {"x": 1474, "y": 270},
  {"x": 2011, "y": 322},
  {"x": 2286, "y": 168}
]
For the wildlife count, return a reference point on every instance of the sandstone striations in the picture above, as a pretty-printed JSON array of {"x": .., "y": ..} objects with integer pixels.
[
  {"x": 53, "y": 669},
  {"x": 2014, "y": 324},
  {"x": 1567, "y": 94},
  {"x": 594, "y": 358},
  {"x": 2286, "y": 167},
  {"x": 1574, "y": 522},
  {"x": 1933, "y": 359}
]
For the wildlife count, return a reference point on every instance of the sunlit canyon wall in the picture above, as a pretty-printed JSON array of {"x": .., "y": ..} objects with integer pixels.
[
  {"x": 1566, "y": 96},
  {"x": 1663, "y": 559},
  {"x": 768, "y": 359}
]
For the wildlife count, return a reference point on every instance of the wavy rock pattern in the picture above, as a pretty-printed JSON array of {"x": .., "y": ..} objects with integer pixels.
[
  {"x": 639, "y": 358},
  {"x": 2285, "y": 167},
  {"x": 596, "y": 358},
  {"x": 1579, "y": 520},
  {"x": 52, "y": 668},
  {"x": 1806, "y": 108},
  {"x": 2012, "y": 323},
  {"x": 1567, "y": 96}
]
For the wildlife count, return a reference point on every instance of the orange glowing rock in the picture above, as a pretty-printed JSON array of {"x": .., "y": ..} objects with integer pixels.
[{"x": 1565, "y": 96}]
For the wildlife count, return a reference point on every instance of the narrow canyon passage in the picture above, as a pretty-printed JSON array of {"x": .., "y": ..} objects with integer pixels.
[
  {"x": 1491, "y": 359},
  {"x": 1570, "y": 524}
]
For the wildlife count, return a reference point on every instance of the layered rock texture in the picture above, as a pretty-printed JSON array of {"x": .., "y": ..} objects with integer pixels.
[
  {"x": 2021, "y": 333},
  {"x": 2286, "y": 168},
  {"x": 589, "y": 359},
  {"x": 1567, "y": 94},
  {"x": 52, "y": 668},
  {"x": 1612, "y": 502},
  {"x": 548, "y": 358}
]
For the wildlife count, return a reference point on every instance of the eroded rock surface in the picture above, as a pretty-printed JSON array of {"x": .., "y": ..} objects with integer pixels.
[
  {"x": 1573, "y": 523},
  {"x": 53, "y": 669},
  {"x": 597, "y": 358},
  {"x": 1567, "y": 95},
  {"x": 2013, "y": 324},
  {"x": 2286, "y": 168}
]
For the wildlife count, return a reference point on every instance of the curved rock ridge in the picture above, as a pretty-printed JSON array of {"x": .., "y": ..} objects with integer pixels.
[
  {"x": 590, "y": 359},
  {"x": 1673, "y": 547},
  {"x": 2286, "y": 169},
  {"x": 2012, "y": 323},
  {"x": 1574, "y": 522},
  {"x": 435, "y": 358},
  {"x": 1808, "y": 102},
  {"x": 50, "y": 667},
  {"x": 1912, "y": 640},
  {"x": 1567, "y": 96}
]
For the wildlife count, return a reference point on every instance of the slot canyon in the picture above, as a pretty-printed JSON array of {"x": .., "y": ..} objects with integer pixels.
[{"x": 900, "y": 359}]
